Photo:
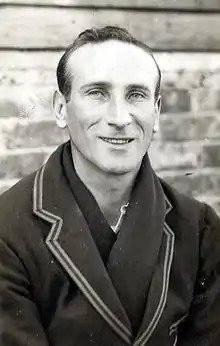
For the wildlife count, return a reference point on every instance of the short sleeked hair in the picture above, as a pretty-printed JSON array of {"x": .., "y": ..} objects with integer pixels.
[{"x": 97, "y": 35}]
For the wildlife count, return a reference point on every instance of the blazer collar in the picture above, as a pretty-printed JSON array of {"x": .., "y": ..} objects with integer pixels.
[
  {"x": 134, "y": 256},
  {"x": 69, "y": 240},
  {"x": 158, "y": 292}
]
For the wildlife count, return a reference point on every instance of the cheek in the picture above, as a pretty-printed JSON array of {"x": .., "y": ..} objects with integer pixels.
[
  {"x": 145, "y": 111},
  {"x": 145, "y": 124},
  {"x": 76, "y": 118},
  {"x": 82, "y": 128},
  {"x": 87, "y": 113}
]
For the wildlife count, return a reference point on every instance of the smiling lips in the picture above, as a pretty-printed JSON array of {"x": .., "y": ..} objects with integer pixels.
[{"x": 118, "y": 141}]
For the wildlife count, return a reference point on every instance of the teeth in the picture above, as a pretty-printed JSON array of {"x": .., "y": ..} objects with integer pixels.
[{"x": 115, "y": 141}]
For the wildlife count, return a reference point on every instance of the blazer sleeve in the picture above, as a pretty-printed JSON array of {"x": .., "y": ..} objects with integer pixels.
[
  {"x": 20, "y": 323},
  {"x": 202, "y": 326}
]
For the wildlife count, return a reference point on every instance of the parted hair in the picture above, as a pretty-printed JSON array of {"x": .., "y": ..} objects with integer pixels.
[{"x": 96, "y": 35}]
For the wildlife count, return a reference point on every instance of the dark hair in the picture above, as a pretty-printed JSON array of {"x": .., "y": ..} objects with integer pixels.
[{"x": 96, "y": 35}]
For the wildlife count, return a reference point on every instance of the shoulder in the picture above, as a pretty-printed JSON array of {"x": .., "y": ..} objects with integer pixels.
[
  {"x": 18, "y": 196},
  {"x": 190, "y": 211},
  {"x": 196, "y": 227},
  {"x": 183, "y": 205},
  {"x": 16, "y": 207}
]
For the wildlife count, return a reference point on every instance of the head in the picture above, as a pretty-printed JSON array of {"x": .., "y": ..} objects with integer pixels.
[{"x": 108, "y": 98}]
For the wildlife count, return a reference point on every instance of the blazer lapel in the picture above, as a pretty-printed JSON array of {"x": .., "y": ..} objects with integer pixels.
[
  {"x": 71, "y": 243},
  {"x": 134, "y": 256},
  {"x": 158, "y": 291}
]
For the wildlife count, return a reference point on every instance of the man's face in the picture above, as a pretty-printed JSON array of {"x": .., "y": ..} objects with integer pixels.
[{"x": 112, "y": 111}]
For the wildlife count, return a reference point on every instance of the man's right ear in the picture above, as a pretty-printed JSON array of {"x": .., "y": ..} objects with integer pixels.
[{"x": 59, "y": 108}]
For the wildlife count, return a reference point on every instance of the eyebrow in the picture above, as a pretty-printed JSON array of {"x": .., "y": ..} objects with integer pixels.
[
  {"x": 99, "y": 84},
  {"x": 103, "y": 84},
  {"x": 139, "y": 86}
]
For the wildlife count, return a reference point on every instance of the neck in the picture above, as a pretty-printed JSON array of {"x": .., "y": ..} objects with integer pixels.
[{"x": 111, "y": 191}]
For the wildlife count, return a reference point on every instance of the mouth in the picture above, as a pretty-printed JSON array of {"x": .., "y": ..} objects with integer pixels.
[{"x": 118, "y": 141}]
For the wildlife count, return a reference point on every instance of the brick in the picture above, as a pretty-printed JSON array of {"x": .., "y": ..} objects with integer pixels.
[
  {"x": 174, "y": 155},
  {"x": 54, "y": 28},
  {"x": 208, "y": 127},
  {"x": 9, "y": 108},
  {"x": 31, "y": 135},
  {"x": 28, "y": 60},
  {"x": 169, "y": 4},
  {"x": 178, "y": 128},
  {"x": 211, "y": 183},
  {"x": 206, "y": 99},
  {"x": 174, "y": 100},
  {"x": 188, "y": 61},
  {"x": 212, "y": 80},
  {"x": 25, "y": 76},
  {"x": 210, "y": 156},
  {"x": 185, "y": 79},
  {"x": 18, "y": 166},
  {"x": 29, "y": 101}
]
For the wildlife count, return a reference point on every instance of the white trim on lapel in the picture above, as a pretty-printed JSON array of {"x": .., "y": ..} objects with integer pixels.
[
  {"x": 52, "y": 242},
  {"x": 174, "y": 328},
  {"x": 170, "y": 240}
]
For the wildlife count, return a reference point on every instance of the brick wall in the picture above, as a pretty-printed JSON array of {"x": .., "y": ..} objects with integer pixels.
[{"x": 186, "y": 152}]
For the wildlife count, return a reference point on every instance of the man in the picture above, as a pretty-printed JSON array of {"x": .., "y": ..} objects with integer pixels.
[{"x": 95, "y": 248}]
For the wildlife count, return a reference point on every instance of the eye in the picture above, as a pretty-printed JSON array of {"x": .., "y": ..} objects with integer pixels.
[
  {"x": 136, "y": 96},
  {"x": 96, "y": 94}
]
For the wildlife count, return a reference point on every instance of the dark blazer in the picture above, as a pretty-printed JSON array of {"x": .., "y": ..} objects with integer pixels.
[{"x": 56, "y": 290}]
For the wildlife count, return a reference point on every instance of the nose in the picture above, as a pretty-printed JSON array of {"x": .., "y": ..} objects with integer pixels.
[{"x": 119, "y": 115}]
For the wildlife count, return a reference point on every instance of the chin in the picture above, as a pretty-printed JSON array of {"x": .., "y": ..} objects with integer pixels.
[{"x": 119, "y": 169}]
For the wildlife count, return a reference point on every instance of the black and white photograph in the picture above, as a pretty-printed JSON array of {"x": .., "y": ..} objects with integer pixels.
[{"x": 109, "y": 173}]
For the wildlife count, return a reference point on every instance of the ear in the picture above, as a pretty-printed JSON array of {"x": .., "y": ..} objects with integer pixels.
[
  {"x": 59, "y": 108},
  {"x": 157, "y": 114}
]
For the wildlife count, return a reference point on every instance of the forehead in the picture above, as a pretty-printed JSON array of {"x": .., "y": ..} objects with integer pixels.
[{"x": 113, "y": 62}]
